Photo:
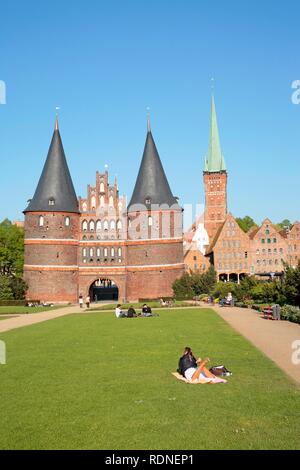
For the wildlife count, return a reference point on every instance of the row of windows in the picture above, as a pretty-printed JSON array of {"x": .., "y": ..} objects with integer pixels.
[
  {"x": 231, "y": 243},
  {"x": 264, "y": 251},
  {"x": 230, "y": 266},
  {"x": 105, "y": 225},
  {"x": 264, "y": 262},
  {"x": 291, "y": 248},
  {"x": 101, "y": 201},
  {"x": 268, "y": 240},
  {"x": 233, "y": 255},
  {"x": 67, "y": 221},
  {"x": 91, "y": 252}
]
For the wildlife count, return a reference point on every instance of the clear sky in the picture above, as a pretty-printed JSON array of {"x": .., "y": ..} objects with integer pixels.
[{"x": 104, "y": 62}]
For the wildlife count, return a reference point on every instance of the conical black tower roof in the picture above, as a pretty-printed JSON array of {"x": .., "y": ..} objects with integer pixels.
[
  {"x": 55, "y": 184},
  {"x": 151, "y": 186}
]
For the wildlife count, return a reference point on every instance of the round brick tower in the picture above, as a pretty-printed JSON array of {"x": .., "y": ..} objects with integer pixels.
[
  {"x": 155, "y": 242},
  {"x": 51, "y": 232}
]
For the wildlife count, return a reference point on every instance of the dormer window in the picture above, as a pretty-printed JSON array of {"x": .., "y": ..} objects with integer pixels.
[
  {"x": 51, "y": 201},
  {"x": 148, "y": 200}
]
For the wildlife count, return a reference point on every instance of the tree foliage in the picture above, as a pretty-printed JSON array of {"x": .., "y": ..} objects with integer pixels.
[
  {"x": 194, "y": 284},
  {"x": 246, "y": 223},
  {"x": 11, "y": 249}
]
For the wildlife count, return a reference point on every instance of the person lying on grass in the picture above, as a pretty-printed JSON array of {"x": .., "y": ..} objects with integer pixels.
[{"x": 194, "y": 370}]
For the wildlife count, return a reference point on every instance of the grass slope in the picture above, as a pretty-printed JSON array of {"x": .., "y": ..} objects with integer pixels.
[{"x": 92, "y": 381}]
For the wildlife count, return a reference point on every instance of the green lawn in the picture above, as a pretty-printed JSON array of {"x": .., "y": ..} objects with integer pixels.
[
  {"x": 92, "y": 381},
  {"x": 138, "y": 305},
  {"x": 17, "y": 309}
]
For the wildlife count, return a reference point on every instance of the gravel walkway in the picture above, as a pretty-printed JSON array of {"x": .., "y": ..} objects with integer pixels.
[{"x": 273, "y": 338}]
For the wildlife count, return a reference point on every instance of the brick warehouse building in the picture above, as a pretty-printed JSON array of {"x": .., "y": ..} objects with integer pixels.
[
  {"x": 97, "y": 245},
  {"x": 216, "y": 238}
]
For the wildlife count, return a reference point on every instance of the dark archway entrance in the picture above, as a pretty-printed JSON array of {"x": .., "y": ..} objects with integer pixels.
[{"x": 103, "y": 289}]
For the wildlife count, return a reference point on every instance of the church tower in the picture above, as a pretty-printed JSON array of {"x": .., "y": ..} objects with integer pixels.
[
  {"x": 215, "y": 181},
  {"x": 51, "y": 231},
  {"x": 155, "y": 238}
]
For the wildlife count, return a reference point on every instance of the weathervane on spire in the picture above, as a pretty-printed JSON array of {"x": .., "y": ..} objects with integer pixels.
[
  {"x": 148, "y": 119},
  {"x": 57, "y": 108}
]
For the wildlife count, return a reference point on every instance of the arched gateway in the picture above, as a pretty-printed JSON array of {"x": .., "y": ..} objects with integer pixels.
[{"x": 103, "y": 289}]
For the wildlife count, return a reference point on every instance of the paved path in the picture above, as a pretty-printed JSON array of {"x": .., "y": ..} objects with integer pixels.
[
  {"x": 273, "y": 338},
  {"x": 32, "y": 318}
]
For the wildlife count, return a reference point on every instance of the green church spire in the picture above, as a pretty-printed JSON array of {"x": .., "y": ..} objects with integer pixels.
[{"x": 214, "y": 161}]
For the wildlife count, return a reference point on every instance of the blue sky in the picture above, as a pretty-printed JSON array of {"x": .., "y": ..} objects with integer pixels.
[{"x": 104, "y": 62}]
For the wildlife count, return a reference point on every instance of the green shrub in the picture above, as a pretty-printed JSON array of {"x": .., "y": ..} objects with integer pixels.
[{"x": 290, "y": 313}]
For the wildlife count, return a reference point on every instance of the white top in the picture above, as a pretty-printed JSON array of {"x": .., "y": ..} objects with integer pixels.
[{"x": 118, "y": 312}]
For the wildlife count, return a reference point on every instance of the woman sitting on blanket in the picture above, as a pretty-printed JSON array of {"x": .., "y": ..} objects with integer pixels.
[{"x": 194, "y": 370}]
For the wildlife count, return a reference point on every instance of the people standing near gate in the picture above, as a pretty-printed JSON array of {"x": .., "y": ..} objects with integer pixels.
[
  {"x": 80, "y": 301},
  {"x": 87, "y": 301}
]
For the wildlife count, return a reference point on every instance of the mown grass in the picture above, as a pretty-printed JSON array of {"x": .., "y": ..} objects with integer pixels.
[
  {"x": 138, "y": 305},
  {"x": 20, "y": 310},
  {"x": 91, "y": 381}
]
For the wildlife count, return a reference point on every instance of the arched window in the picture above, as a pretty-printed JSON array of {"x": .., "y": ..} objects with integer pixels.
[
  {"x": 41, "y": 221},
  {"x": 119, "y": 252},
  {"x": 98, "y": 252},
  {"x": 93, "y": 202},
  {"x": 105, "y": 252},
  {"x": 111, "y": 201},
  {"x": 150, "y": 221},
  {"x": 67, "y": 221},
  {"x": 112, "y": 252},
  {"x": 112, "y": 225},
  {"x": 119, "y": 225},
  {"x": 84, "y": 206},
  {"x": 84, "y": 252},
  {"x": 105, "y": 225},
  {"x": 102, "y": 190},
  {"x": 84, "y": 225},
  {"x": 92, "y": 226},
  {"x": 98, "y": 225},
  {"x": 102, "y": 203},
  {"x": 91, "y": 252}
]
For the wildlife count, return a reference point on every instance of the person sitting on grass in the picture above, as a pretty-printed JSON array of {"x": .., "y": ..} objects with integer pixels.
[
  {"x": 194, "y": 370},
  {"x": 131, "y": 312},
  {"x": 119, "y": 312},
  {"x": 146, "y": 311}
]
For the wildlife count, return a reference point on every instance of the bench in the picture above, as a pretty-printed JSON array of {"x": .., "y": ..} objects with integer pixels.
[{"x": 268, "y": 313}]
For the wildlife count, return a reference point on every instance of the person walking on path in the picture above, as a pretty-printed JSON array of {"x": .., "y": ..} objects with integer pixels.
[
  {"x": 87, "y": 301},
  {"x": 80, "y": 301}
]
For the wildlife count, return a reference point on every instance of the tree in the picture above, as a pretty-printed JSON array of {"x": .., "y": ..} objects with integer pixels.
[
  {"x": 246, "y": 223},
  {"x": 284, "y": 224},
  {"x": 11, "y": 249},
  {"x": 6, "y": 292},
  {"x": 194, "y": 284},
  {"x": 18, "y": 287},
  {"x": 291, "y": 285}
]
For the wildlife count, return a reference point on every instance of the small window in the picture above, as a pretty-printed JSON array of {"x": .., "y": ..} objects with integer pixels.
[
  {"x": 119, "y": 252},
  {"x": 41, "y": 221},
  {"x": 98, "y": 252},
  {"x": 84, "y": 207},
  {"x": 105, "y": 225},
  {"x": 98, "y": 225},
  {"x": 274, "y": 240},
  {"x": 105, "y": 252},
  {"x": 263, "y": 240},
  {"x": 67, "y": 221},
  {"x": 51, "y": 201},
  {"x": 269, "y": 240},
  {"x": 148, "y": 200},
  {"x": 112, "y": 225},
  {"x": 92, "y": 225},
  {"x": 102, "y": 190},
  {"x": 91, "y": 252},
  {"x": 267, "y": 232},
  {"x": 84, "y": 225},
  {"x": 112, "y": 252},
  {"x": 150, "y": 221},
  {"x": 84, "y": 252},
  {"x": 246, "y": 254},
  {"x": 195, "y": 258}
]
